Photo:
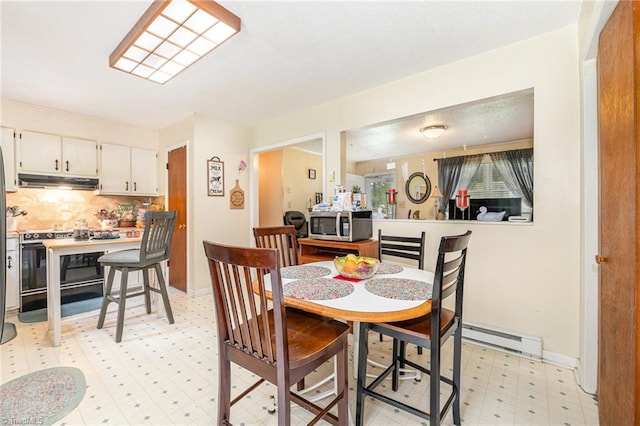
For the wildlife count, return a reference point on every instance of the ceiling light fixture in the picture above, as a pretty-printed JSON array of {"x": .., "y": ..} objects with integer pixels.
[
  {"x": 433, "y": 132},
  {"x": 171, "y": 35}
]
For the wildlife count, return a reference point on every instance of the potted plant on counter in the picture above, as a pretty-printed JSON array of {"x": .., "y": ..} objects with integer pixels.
[
  {"x": 107, "y": 219},
  {"x": 357, "y": 198},
  {"x": 127, "y": 218}
]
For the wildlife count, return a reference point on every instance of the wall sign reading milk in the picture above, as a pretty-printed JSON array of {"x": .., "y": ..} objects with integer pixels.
[{"x": 215, "y": 177}]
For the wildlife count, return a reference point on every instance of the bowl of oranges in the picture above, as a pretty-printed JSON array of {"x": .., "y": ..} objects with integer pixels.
[{"x": 357, "y": 267}]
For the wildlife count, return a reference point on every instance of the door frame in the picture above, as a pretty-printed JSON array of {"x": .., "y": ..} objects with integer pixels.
[
  {"x": 185, "y": 144},
  {"x": 254, "y": 153},
  {"x": 587, "y": 368}
]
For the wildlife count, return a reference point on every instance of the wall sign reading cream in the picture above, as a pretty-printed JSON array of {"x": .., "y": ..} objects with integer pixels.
[{"x": 215, "y": 177}]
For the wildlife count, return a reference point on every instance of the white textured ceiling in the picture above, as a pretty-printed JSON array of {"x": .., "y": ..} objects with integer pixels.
[
  {"x": 287, "y": 57},
  {"x": 504, "y": 118}
]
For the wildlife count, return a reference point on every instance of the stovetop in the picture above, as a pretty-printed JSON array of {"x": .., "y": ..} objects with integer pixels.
[{"x": 45, "y": 234}]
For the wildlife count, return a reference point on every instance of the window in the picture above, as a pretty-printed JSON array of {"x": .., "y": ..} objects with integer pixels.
[
  {"x": 488, "y": 182},
  {"x": 377, "y": 186}
]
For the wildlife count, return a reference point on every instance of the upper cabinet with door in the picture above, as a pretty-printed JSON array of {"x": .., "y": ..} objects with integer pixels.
[
  {"x": 8, "y": 153},
  {"x": 128, "y": 171},
  {"x": 44, "y": 153}
]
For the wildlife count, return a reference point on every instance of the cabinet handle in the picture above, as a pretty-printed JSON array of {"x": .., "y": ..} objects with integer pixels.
[
  {"x": 127, "y": 186},
  {"x": 135, "y": 186},
  {"x": 9, "y": 262},
  {"x": 67, "y": 165},
  {"x": 56, "y": 165}
]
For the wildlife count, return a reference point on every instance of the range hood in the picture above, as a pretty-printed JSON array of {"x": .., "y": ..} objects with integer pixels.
[{"x": 44, "y": 181}]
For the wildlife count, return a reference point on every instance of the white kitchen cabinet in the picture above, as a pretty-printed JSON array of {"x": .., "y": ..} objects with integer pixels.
[
  {"x": 144, "y": 166},
  {"x": 79, "y": 157},
  {"x": 13, "y": 292},
  {"x": 44, "y": 153},
  {"x": 128, "y": 171},
  {"x": 8, "y": 144}
]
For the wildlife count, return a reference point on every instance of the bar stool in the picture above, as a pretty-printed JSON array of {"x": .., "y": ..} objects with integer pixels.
[{"x": 154, "y": 249}]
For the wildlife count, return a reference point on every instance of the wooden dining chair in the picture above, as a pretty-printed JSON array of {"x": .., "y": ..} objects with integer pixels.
[
  {"x": 429, "y": 331},
  {"x": 282, "y": 238},
  {"x": 278, "y": 344}
]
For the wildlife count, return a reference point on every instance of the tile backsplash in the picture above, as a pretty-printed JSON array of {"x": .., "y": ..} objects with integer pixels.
[{"x": 49, "y": 207}]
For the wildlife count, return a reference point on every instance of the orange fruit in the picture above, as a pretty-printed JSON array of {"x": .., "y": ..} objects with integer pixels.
[{"x": 349, "y": 266}]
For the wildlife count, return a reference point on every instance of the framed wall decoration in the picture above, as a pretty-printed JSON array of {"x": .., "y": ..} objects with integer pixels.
[
  {"x": 312, "y": 173},
  {"x": 215, "y": 177}
]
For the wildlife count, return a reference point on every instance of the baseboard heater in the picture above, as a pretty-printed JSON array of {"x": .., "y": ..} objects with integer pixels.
[{"x": 528, "y": 346}]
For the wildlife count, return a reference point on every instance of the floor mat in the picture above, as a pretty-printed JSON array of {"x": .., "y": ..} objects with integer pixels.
[{"x": 42, "y": 397}]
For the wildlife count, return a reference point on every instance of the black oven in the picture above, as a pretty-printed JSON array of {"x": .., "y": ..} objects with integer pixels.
[{"x": 81, "y": 276}]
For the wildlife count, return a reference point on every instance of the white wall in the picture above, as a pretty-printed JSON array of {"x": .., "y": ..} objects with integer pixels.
[
  {"x": 23, "y": 116},
  {"x": 523, "y": 278},
  {"x": 211, "y": 218}
]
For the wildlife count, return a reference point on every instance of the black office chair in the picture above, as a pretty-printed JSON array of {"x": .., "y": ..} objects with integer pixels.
[
  {"x": 154, "y": 249},
  {"x": 297, "y": 219},
  {"x": 429, "y": 331}
]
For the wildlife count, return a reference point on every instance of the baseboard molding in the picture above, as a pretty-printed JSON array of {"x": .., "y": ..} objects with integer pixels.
[
  {"x": 560, "y": 360},
  {"x": 200, "y": 292}
]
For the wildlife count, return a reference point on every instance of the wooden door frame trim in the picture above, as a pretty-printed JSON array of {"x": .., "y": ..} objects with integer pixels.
[
  {"x": 165, "y": 161},
  {"x": 253, "y": 173}
]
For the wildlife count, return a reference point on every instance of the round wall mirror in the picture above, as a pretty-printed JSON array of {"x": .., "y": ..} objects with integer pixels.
[{"x": 418, "y": 188}]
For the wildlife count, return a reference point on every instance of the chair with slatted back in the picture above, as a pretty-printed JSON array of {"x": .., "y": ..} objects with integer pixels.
[
  {"x": 405, "y": 248},
  {"x": 430, "y": 331},
  {"x": 154, "y": 249},
  {"x": 402, "y": 247},
  {"x": 278, "y": 344},
  {"x": 282, "y": 238}
]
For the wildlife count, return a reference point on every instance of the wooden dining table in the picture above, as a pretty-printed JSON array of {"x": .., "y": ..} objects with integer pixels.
[{"x": 396, "y": 292}]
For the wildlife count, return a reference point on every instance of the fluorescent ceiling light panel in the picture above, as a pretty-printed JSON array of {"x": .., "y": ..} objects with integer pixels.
[{"x": 171, "y": 35}]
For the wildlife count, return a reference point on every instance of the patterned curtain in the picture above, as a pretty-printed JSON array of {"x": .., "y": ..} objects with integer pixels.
[
  {"x": 516, "y": 169},
  {"x": 454, "y": 173}
]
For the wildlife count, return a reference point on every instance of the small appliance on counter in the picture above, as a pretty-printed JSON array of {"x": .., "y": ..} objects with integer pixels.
[
  {"x": 347, "y": 225},
  {"x": 81, "y": 230}
]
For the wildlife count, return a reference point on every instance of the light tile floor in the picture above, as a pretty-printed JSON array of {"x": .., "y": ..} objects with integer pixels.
[{"x": 165, "y": 374}]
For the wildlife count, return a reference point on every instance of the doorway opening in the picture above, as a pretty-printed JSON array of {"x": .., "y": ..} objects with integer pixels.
[{"x": 286, "y": 176}]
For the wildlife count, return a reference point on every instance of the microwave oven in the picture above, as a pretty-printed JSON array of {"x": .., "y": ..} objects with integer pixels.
[{"x": 341, "y": 225}]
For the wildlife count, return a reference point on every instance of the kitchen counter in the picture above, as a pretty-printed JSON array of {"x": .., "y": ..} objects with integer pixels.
[
  {"x": 70, "y": 242},
  {"x": 61, "y": 247}
]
